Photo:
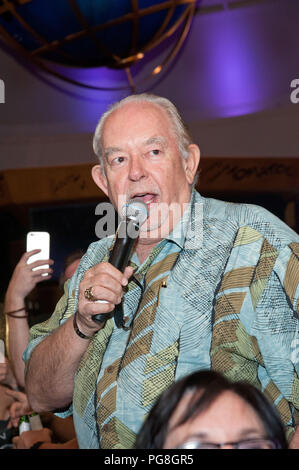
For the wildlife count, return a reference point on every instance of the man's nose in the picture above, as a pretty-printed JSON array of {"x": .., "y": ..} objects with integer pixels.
[{"x": 136, "y": 168}]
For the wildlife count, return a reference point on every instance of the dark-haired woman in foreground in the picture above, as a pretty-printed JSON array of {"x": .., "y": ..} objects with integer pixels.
[{"x": 206, "y": 411}]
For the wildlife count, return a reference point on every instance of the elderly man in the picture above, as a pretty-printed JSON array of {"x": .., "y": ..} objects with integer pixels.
[{"x": 222, "y": 296}]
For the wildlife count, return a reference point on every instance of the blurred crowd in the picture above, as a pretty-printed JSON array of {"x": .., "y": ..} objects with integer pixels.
[{"x": 52, "y": 432}]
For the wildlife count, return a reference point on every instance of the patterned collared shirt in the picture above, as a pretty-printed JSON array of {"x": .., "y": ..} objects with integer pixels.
[{"x": 230, "y": 303}]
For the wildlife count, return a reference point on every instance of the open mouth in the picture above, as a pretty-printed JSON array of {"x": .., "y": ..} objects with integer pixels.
[{"x": 147, "y": 198}]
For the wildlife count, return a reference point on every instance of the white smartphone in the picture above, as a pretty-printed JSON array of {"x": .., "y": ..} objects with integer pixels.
[
  {"x": 41, "y": 241},
  {"x": 2, "y": 351}
]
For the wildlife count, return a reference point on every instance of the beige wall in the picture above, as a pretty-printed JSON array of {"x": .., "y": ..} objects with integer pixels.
[{"x": 272, "y": 133}]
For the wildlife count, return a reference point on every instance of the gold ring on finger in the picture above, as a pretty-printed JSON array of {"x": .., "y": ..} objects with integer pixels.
[{"x": 88, "y": 295}]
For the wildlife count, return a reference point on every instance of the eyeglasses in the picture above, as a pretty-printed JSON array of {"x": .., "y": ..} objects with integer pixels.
[{"x": 246, "y": 444}]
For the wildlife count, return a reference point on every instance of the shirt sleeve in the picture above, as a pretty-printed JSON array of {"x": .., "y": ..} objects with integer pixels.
[
  {"x": 287, "y": 271},
  {"x": 256, "y": 325},
  {"x": 276, "y": 327}
]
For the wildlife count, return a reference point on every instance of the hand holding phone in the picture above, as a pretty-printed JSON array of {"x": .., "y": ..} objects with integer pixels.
[{"x": 26, "y": 275}]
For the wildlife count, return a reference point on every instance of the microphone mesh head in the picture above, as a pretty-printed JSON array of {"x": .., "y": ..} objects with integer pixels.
[{"x": 135, "y": 210}]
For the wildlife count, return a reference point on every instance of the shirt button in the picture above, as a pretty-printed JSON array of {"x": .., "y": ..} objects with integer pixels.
[
  {"x": 106, "y": 427},
  {"x": 126, "y": 319},
  {"x": 110, "y": 369}
]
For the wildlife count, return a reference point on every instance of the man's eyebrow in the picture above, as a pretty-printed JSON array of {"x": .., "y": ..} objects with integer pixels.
[
  {"x": 110, "y": 150},
  {"x": 152, "y": 140},
  {"x": 156, "y": 140}
]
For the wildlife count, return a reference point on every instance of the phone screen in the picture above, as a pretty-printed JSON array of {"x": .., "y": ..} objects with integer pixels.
[{"x": 38, "y": 240}]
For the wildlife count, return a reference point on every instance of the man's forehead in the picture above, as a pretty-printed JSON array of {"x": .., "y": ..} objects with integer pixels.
[
  {"x": 148, "y": 122},
  {"x": 135, "y": 109}
]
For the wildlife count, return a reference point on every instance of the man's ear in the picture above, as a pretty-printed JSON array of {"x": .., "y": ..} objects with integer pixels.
[
  {"x": 99, "y": 178},
  {"x": 192, "y": 162}
]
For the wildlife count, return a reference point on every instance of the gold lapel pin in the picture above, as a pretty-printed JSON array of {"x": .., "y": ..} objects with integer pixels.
[{"x": 163, "y": 284}]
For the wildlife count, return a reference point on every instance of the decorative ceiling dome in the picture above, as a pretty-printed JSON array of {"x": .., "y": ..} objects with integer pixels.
[{"x": 93, "y": 33}]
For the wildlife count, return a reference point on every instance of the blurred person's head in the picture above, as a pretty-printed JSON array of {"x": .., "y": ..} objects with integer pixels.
[
  {"x": 205, "y": 410},
  {"x": 70, "y": 265}
]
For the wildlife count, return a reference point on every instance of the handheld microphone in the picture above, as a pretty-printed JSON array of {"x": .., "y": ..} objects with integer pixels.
[{"x": 134, "y": 214}]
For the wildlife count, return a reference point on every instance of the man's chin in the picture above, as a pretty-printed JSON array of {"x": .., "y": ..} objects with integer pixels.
[
  {"x": 150, "y": 234},
  {"x": 158, "y": 214},
  {"x": 161, "y": 220},
  {"x": 156, "y": 232}
]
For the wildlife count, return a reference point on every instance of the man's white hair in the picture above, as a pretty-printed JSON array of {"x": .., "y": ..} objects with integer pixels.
[{"x": 183, "y": 137}]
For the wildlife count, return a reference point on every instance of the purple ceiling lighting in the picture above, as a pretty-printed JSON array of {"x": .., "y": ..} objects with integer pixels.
[{"x": 237, "y": 61}]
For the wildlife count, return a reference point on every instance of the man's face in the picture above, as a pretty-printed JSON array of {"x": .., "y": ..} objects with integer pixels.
[{"x": 142, "y": 162}]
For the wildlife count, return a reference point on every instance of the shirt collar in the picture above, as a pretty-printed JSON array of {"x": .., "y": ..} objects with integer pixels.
[{"x": 178, "y": 234}]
